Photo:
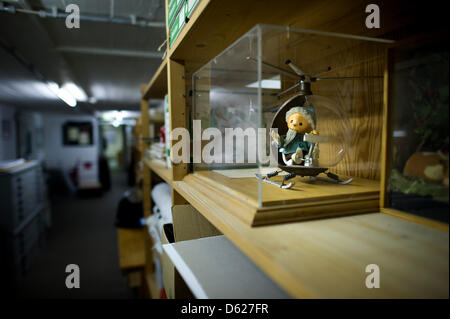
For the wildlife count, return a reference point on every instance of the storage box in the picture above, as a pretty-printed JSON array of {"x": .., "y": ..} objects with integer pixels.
[
  {"x": 177, "y": 24},
  {"x": 174, "y": 285},
  {"x": 174, "y": 7},
  {"x": 189, "y": 224},
  {"x": 190, "y": 6},
  {"x": 215, "y": 268},
  {"x": 332, "y": 84},
  {"x": 179, "y": 14}
]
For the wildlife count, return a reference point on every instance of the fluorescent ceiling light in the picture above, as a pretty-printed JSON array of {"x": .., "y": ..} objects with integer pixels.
[
  {"x": 64, "y": 95},
  {"x": 53, "y": 87},
  {"x": 118, "y": 115},
  {"x": 75, "y": 91},
  {"x": 113, "y": 116},
  {"x": 272, "y": 83}
]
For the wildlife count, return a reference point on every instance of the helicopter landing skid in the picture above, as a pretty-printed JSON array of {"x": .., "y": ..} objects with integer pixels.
[
  {"x": 331, "y": 180},
  {"x": 267, "y": 180}
]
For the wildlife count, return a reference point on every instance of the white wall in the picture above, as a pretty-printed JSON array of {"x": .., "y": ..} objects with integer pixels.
[
  {"x": 8, "y": 133},
  {"x": 113, "y": 135},
  {"x": 30, "y": 135},
  {"x": 64, "y": 157}
]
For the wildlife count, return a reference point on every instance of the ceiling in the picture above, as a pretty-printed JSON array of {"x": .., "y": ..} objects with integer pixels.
[{"x": 108, "y": 60}]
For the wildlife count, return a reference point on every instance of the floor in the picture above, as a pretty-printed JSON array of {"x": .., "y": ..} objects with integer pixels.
[{"x": 82, "y": 233}]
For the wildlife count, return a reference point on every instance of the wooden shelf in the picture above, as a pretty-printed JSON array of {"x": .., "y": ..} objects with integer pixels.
[
  {"x": 323, "y": 258},
  {"x": 131, "y": 248},
  {"x": 152, "y": 285},
  {"x": 157, "y": 87},
  {"x": 157, "y": 119},
  {"x": 213, "y": 267},
  {"x": 327, "y": 258},
  {"x": 160, "y": 169},
  {"x": 305, "y": 200},
  {"x": 199, "y": 42}
]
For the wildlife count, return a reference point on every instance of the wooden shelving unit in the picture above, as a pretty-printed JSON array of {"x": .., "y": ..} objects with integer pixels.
[
  {"x": 160, "y": 169},
  {"x": 157, "y": 87},
  {"x": 322, "y": 258},
  {"x": 199, "y": 42},
  {"x": 302, "y": 257},
  {"x": 131, "y": 254}
]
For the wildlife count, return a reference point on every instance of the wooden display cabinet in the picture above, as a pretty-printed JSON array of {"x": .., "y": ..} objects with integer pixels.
[
  {"x": 321, "y": 258},
  {"x": 415, "y": 132}
]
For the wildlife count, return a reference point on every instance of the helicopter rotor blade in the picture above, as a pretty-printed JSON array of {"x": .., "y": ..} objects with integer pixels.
[
  {"x": 327, "y": 69},
  {"x": 287, "y": 90},
  {"x": 290, "y": 74},
  {"x": 295, "y": 68},
  {"x": 347, "y": 78}
]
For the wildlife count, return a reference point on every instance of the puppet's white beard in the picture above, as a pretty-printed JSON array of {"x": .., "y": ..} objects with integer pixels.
[{"x": 289, "y": 137}]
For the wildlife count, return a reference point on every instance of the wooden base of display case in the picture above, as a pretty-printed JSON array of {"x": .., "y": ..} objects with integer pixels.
[{"x": 306, "y": 200}]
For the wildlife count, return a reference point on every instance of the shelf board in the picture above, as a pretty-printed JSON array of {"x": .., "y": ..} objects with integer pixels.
[
  {"x": 157, "y": 87},
  {"x": 215, "y": 24},
  {"x": 305, "y": 200},
  {"x": 160, "y": 169},
  {"x": 213, "y": 267},
  {"x": 327, "y": 258},
  {"x": 157, "y": 119}
]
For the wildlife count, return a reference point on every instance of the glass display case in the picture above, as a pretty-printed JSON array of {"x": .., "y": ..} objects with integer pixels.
[
  {"x": 289, "y": 122},
  {"x": 418, "y": 144}
]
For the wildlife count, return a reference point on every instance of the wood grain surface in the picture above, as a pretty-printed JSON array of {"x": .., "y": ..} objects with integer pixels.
[{"x": 327, "y": 258}]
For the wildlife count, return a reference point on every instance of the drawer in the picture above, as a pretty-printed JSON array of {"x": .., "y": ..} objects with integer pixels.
[
  {"x": 25, "y": 241},
  {"x": 21, "y": 197},
  {"x": 22, "y": 209},
  {"x": 24, "y": 204},
  {"x": 22, "y": 263},
  {"x": 25, "y": 184}
]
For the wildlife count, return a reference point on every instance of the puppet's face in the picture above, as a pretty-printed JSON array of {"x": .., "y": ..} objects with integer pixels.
[{"x": 299, "y": 123}]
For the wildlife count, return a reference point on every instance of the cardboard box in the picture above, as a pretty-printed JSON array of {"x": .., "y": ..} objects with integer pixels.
[
  {"x": 189, "y": 224},
  {"x": 173, "y": 8},
  {"x": 179, "y": 16},
  {"x": 190, "y": 6},
  {"x": 174, "y": 285},
  {"x": 177, "y": 24}
]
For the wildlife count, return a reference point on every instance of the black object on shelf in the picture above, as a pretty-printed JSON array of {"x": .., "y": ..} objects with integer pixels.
[
  {"x": 129, "y": 210},
  {"x": 423, "y": 206}
]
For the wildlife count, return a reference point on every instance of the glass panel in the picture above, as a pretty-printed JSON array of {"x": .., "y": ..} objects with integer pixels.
[
  {"x": 321, "y": 94},
  {"x": 327, "y": 111},
  {"x": 225, "y": 99},
  {"x": 418, "y": 181}
]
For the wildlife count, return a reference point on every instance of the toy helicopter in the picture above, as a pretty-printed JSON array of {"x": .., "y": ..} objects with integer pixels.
[{"x": 298, "y": 149}]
